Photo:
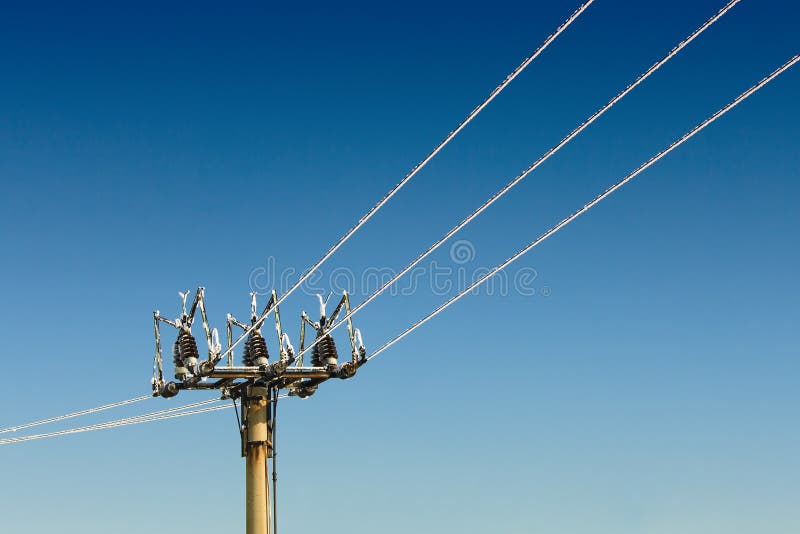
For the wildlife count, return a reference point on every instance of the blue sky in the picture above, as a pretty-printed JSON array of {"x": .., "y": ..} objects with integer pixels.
[{"x": 149, "y": 148}]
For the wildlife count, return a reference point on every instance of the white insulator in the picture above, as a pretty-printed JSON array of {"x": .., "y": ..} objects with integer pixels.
[
  {"x": 358, "y": 338},
  {"x": 322, "y": 304},
  {"x": 183, "y": 299},
  {"x": 216, "y": 346},
  {"x": 287, "y": 345}
]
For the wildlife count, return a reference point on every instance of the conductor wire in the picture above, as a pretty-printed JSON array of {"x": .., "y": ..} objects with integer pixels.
[
  {"x": 145, "y": 418},
  {"x": 527, "y": 61},
  {"x": 564, "y": 222},
  {"x": 494, "y": 198},
  {"x": 160, "y": 415},
  {"x": 88, "y": 411}
]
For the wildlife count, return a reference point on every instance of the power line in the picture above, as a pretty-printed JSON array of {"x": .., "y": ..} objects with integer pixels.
[
  {"x": 144, "y": 418},
  {"x": 552, "y": 151},
  {"x": 589, "y": 205},
  {"x": 527, "y": 61},
  {"x": 497, "y": 90},
  {"x": 170, "y": 410},
  {"x": 159, "y": 415},
  {"x": 76, "y": 414}
]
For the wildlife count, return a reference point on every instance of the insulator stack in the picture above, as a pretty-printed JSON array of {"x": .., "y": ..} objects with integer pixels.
[
  {"x": 188, "y": 347},
  {"x": 184, "y": 354},
  {"x": 255, "y": 350},
  {"x": 324, "y": 353}
]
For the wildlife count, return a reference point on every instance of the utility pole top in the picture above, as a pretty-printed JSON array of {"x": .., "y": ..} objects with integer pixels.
[{"x": 259, "y": 381}]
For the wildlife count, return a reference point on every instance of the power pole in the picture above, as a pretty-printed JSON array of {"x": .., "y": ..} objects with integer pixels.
[
  {"x": 257, "y": 447},
  {"x": 256, "y": 383}
]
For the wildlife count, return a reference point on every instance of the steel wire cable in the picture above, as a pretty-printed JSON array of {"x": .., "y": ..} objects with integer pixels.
[
  {"x": 413, "y": 172},
  {"x": 368, "y": 215},
  {"x": 112, "y": 424},
  {"x": 691, "y": 133},
  {"x": 549, "y": 153},
  {"x": 160, "y": 415},
  {"x": 88, "y": 411},
  {"x": 170, "y": 410},
  {"x": 497, "y": 90},
  {"x": 126, "y": 419},
  {"x": 108, "y": 424}
]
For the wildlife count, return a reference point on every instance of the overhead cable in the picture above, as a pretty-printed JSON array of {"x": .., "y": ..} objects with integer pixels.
[
  {"x": 159, "y": 415},
  {"x": 552, "y": 151},
  {"x": 88, "y": 411},
  {"x": 368, "y": 215},
  {"x": 694, "y": 131}
]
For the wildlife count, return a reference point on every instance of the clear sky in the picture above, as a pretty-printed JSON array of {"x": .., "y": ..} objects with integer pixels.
[{"x": 649, "y": 383}]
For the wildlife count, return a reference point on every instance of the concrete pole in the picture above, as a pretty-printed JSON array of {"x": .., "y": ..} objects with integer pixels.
[{"x": 256, "y": 452}]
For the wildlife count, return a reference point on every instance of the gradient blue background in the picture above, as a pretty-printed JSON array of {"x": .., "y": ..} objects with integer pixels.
[{"x": 148, "y": 148}]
